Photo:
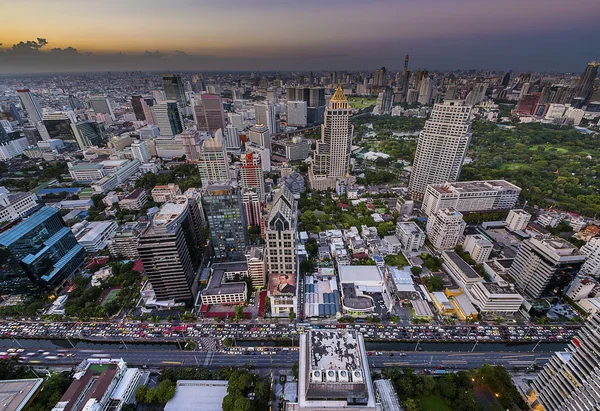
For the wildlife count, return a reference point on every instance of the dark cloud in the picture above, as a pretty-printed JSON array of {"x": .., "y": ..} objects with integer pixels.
[
  {"x": 180, "y": 53},
  {"x": 154, "y": 54}
]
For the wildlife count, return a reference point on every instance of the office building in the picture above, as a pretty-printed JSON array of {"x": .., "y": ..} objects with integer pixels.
[
  {"x": 58, "y": 125},
  {"x": 410, "y": 235},
  {"x": 334, "y": 372},
  {"x": 280, "y": 234},
  {"x": 496, "y": 299},
  {"x": 164, "y": 193},
  {"x": 124, "y": 244},
  {"x": 16, "y": 205},
  {"x": 226, "y": 221},
  {"x": 385, "y": 101},
  {"x": 255, "y": 259},
  {"x": 134, "y": 200},
  {"x": 212, "y": 109},
  {"x": 426, "y": 89},
  {"x": 191, "y": 140},
  {"x": 331, "y": 159},
  {"x": 251, "y": 176},
  {"x": 171, "y": 252},
  {"x": 167, "y": 116},
  {"x": 30, "y": 105},
  {"x": 149, "y": 132},
  {"x": 295, "y": 183},
  {"x": 592, "y": 250},
  {"x": 94, "y": 235},
  {"x": 293, "y": 149},
  {"x": 252, "y": 205},
  {"x": 441, "y": 147},
  {"x": 266, "y": 114},
  {"x": 297, "y": 113},
  {"x": 173, "y": 85},
  {"x": 265, "y": 155},
  {"x": 213, "y": 162},
  {"x": 101, "y": 105},
  {"x": 581, "y": 287},
  {"x": 545, "y": 265},
  {"x": 570, "y": 381},
  {"x": 477, "y": 94},
  {"x": 196, "y": 209},
  {"x": 517, "y": 220},
  {"x": 137, "y": 104},
  {"x": 445, "y": 228},
  {"x": 38, "y": 252},
  {"x": 585, "y": 88},
  {"x": 260, "y": 135},
  {"x": 140, "y": 152},
  {"x": 225, "y": 285},
  {"x": 478, "y": 247},
  {"x": 233, "y": 144},
  {"x": 88, "y": 134},
  {"x": 380, "y": 80}
]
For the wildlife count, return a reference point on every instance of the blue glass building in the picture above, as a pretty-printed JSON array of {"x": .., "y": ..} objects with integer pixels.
[{"x": 39, "y": 252}]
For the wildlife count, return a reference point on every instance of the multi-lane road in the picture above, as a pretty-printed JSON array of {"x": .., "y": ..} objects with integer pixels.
[{"x": 285, "y": 359}]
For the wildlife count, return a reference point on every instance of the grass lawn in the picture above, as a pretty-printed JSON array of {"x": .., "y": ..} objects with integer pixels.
[
  {"x": 361, "y": 102},
  {"x": 514, "y": 166},
  {"x": 433, "y": 403},
  {"x": 543, "y": 147},
  {"x": 112, "y": 295}
]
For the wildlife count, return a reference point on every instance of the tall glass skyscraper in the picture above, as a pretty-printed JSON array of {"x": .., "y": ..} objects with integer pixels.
[
  {"x": 227, "y": 221},
  {"x": 173, "y": 85},
  {"x": 38, "y": 252}
]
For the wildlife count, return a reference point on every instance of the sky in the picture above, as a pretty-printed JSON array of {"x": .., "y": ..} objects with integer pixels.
[{"x": 84, "y": 35}]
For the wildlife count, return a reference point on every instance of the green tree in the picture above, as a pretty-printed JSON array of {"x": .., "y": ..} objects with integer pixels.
[
  {"x": 416, "y": 270},
  {"x": 228, "y": 342},
  {"x": 411, "y": 404},
  {"x": 434, "y": 283},
  {"x": 307, "y": 267},
  {"x": 292, "y": 315}
]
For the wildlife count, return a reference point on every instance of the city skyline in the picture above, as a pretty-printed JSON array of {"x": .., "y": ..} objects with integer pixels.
[{"x": 438, "y": 35}]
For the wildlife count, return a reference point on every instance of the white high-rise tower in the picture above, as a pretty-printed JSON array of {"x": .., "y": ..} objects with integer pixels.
[
  {"x": 331, "y": 160},
  {"x": 441, "y": 147}
]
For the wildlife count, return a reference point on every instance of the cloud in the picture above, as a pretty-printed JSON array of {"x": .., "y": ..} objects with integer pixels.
[
  {"x": 180, "y": 53},
  {"x": 154, "y": 54}
]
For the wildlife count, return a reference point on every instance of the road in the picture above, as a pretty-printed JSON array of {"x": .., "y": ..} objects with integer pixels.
[{"x": 285, "y": 359}]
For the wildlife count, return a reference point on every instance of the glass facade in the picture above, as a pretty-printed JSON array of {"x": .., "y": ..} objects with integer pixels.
[{"x": 38, "y": 252}]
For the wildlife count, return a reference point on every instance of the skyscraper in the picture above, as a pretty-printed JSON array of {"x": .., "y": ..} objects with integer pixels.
[
  {"x": 252, "y": 207},
  {"x": 171, "y": 250},
  {"x": 426, "y": 87},
  {"x": 39, "y": 252},
  {"x": 88, "y": 134},
  {"x": 441, "y": 147},
  {"x": 173, "y": 86},
  {"x": 404, "y": 77},
  {"x": 259, "y": 134},
  {"x": 213, "y": 162},
  {"x": 233, "y": 144},
  {"x": 586, "y": 84},
  {"x": 138, "y": 108},
  {"x": 226, "y": 220},
  {"x": 445, "y": 228},
  {"x": 544, "y": 266},
  {"x": 332, "y": 158},
  {"x": 379, "y": 80},
  {"x": 265, "y": 114},
  {"x": 101, "y": 105},
  {"x": 297, "y": 113},
  {"x": 251, "y": 175},
  {"x": 212, "y": 107},
  {"x": 570, "y": 381},
  {"x": 167, "y": 116},
  {"x": 30, "y": 104}
]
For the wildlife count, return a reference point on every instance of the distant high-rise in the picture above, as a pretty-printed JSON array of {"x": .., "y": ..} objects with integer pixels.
[
  {"x": 569, "y": 381},
  {"x": 173, "y": 85},
  {"x": 297, "y": 113},
  {"x": 226, "y": 220},
  {"x": 233, "y": 144},
  {"x": 138, "y": 108},
  {"x": 385, "y": 100},
  {"x": 259, "y": 134},
  {"x": 331, "y": 160},
  {"x": 265, "y": 114},
  {"x": 426, "y": 87},
  {"x": 380, "y": 80},
  {"x": 101, "y": 105},
  {"x": 38, "y": 252},
  {"x": 140, "y": 151},
  {"x": 30, "y": 104},
  {"x": 213, "y": 163},
  {"x": 441, "y": 147},
  {"x": 212, "y": 109},
  {"x": 88, "y": 134},
  {"x": 171, "y": 250},
  {"x": 544, "y": 266},
  {"x": 585, "y": 87},
  {"x": 191, "y": 141},
  {"x": 251, "y": 176},
  {"x": 167, "y": 116},
  {"x": 506, "y": 79},
  {"x": 477, "y": 94},
  {"x": 404, "y": 77}
]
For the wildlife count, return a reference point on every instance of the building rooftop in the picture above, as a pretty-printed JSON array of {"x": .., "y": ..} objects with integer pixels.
[
  {"x": 134, "y": 194},
  {"x": 170, "y": 211},
  {"x": 359, "y": 273},
  {"x": 409, "y": 227},
  {"x": 216, "y": 286},
  {"x": 333, "y": 350},
  {"x": 498, "y": 289},
  {"x": 15, "y": 394},
  {"x": 460, "y": 187},
  {"x": 462, "y": 264},
  {"x": 91, "y": 231},
  {"x": 15, "y": 233},
  {"x": 198, "y": 394}
]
